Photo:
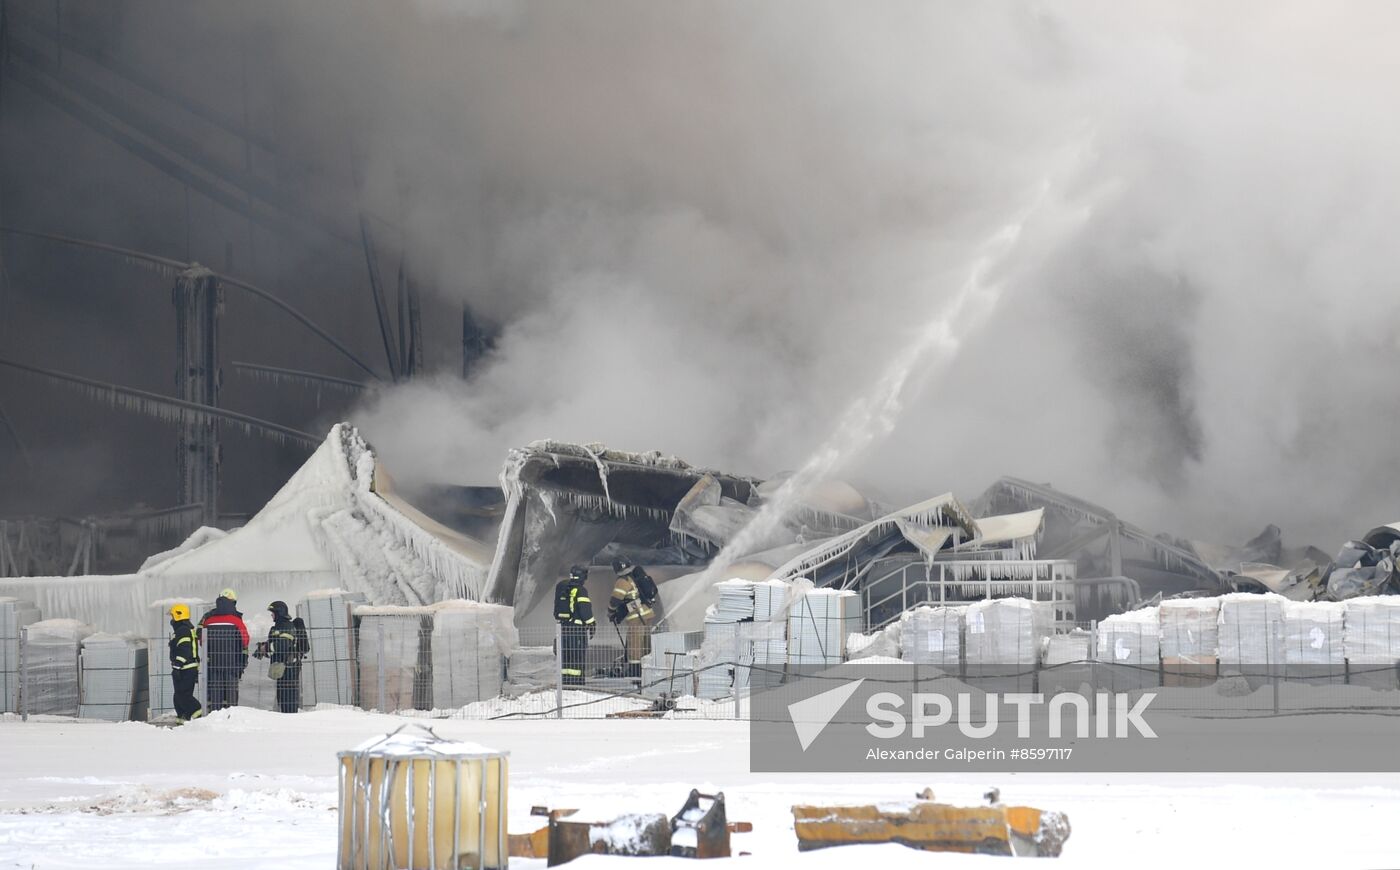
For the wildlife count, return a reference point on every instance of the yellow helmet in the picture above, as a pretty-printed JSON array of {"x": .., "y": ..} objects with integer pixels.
[
  {"x": 179, "y": 612},
  {"x": 229, "y": 594}
]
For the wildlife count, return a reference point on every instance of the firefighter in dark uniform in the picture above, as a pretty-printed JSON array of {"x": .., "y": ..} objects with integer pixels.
[
  {"x": 184, "y": 663},
  {"x": 629, "y": 607},
  {"x": 285, "y": 645},
  {"x": 225, "y": 639},
  {"x": 573, "y": 610}
]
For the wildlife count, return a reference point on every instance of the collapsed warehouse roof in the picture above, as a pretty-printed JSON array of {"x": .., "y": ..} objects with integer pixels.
[
  {"x": 337, "y": 522},
  {"x": 1101, "y": 544}
]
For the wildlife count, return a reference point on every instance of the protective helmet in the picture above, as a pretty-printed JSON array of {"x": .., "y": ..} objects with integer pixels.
[
  {"x": 622, "y": 565},
  {"x": 179, "y": 612},
  {"x": 578, "y": 572},
  {"x": 278, "y": 608},
  {"x": 229, "y": 594}
]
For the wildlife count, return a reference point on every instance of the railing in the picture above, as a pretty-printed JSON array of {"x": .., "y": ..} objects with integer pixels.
[{"x": 960, "y": 581}]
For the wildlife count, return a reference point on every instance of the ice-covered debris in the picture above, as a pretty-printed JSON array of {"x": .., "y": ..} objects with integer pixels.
[
  {"x": 635, "y": 834},
  {"x": 198, "y": 538},
  {"x": 420, "y": 741}
]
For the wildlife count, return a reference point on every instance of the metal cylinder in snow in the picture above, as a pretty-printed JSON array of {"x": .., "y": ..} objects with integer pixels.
[{"x": 413, "y": 800}]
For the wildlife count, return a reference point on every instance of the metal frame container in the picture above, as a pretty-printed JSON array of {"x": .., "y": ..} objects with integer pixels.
[{"x": 421, "y": 803}]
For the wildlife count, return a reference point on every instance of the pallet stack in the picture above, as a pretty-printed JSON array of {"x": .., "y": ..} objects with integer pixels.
[
  {"x": 328, "y": 671},
  {"x": 933, "y": 636},
  {"x": 1190, "y": 641},
  {"x": 1371, "y": 641},
  {"x": 15, "y": 615},
  {"x": 1002, "y": 639},
  {"x": 818, "y": 625},
  {"x": 1128, "y": 651},
  {"x": 114, "y": 678},
  {"x": 395, "y": 647},
  {"x": 1251, "y": 636},
  {"x": 469, "y": 644},
  {"x": 51, "y": 675}
]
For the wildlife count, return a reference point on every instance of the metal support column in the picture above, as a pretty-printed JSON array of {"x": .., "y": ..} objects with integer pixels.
[{"x": 199, "y": 302}]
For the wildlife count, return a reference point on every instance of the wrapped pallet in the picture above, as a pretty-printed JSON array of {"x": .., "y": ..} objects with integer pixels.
[
  {"x": 1128, "y": 651},
  {"x": 15, "y": 615},
  {"x": 159, "y": 684},
  {"x": 1371, "y": 640},
  {"x": 818, "y": 624},
  {"x": 395, "y": 657},
  {"x": 531, "y": 669},
  {"x": 1251, "y": 636},
  {"x": 114, "y": 678},
  {"x": 51, "y": 676},
  {"x": 1002, "y": 639},
  {"x": 1066, "y": 663},
  {"x": 470, "y": 642},
  {"x": 328, "y": 671},
  {"x": 933, "y": 636},
  {"x": 667, "y": 669},
  {"x": 1313, "y": 641},
  {"x": 1190, "y": 632}
]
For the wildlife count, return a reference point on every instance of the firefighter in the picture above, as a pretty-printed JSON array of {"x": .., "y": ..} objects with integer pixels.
[
  {"x": 630, "y": 606},
  {"x": 573, "y": 610},
  {"x": 285, "y": 646},
  {"x": 184, "y": 663},
  {"x": 225, "y": 639}
]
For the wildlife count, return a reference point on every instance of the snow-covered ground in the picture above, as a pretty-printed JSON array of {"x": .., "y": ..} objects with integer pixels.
[{"x": 247, "y": 788}]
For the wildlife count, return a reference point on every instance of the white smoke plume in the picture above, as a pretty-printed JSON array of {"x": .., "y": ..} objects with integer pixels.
[{"x": 706, "y": 228}]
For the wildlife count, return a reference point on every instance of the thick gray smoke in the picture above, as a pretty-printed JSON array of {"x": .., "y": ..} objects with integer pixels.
[{"x": 706, "y": 228}]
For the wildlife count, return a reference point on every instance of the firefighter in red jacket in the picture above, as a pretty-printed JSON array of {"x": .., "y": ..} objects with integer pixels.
[{"x": 225, "y": 641}]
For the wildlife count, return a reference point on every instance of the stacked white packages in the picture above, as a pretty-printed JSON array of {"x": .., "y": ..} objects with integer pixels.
[
  {"x": 1129, "y": 651},
  {"x": 470, "y": 643},
  {"x": 530, "y": 669},
  {"x": 667, "y": 669},
  {"x": 770, "y": 601},
  {"x": 1066, "y": 663},
  {"x": 114, "y": 678},
  {"x": 1313, "y": 633},
  {"x": 1190, "y": 629},
  {"x": 736, "y": 601},
  {"x": 1190, "y": 632},
  {"x": 328, "y": 670},
  {"x": 1001, "y": 642},
  {"x": 395, "y": 657},
  {"x": 1371, "y": 640},
  {"x": 158, "y": 681},
  {"x": 933, "y": 636},
  {"x": 818, "y": 625},
  {"x": 1251, "y": 636},
  {"x": 51, "y": 666},
  {"x": 15, "y": 614}
]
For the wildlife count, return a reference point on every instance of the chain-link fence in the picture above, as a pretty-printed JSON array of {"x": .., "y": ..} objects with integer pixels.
[{"x": 1244, "y": 657}]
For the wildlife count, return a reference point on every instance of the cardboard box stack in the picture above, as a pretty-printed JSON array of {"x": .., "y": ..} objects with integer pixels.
[{"x": 933, "y": 636}]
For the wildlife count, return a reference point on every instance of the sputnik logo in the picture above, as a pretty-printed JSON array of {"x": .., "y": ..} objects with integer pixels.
[{"x": 811, "y": 716}]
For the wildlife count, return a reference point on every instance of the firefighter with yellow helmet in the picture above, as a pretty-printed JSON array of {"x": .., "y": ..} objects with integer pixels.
[{"x": 184, "y": 663}]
